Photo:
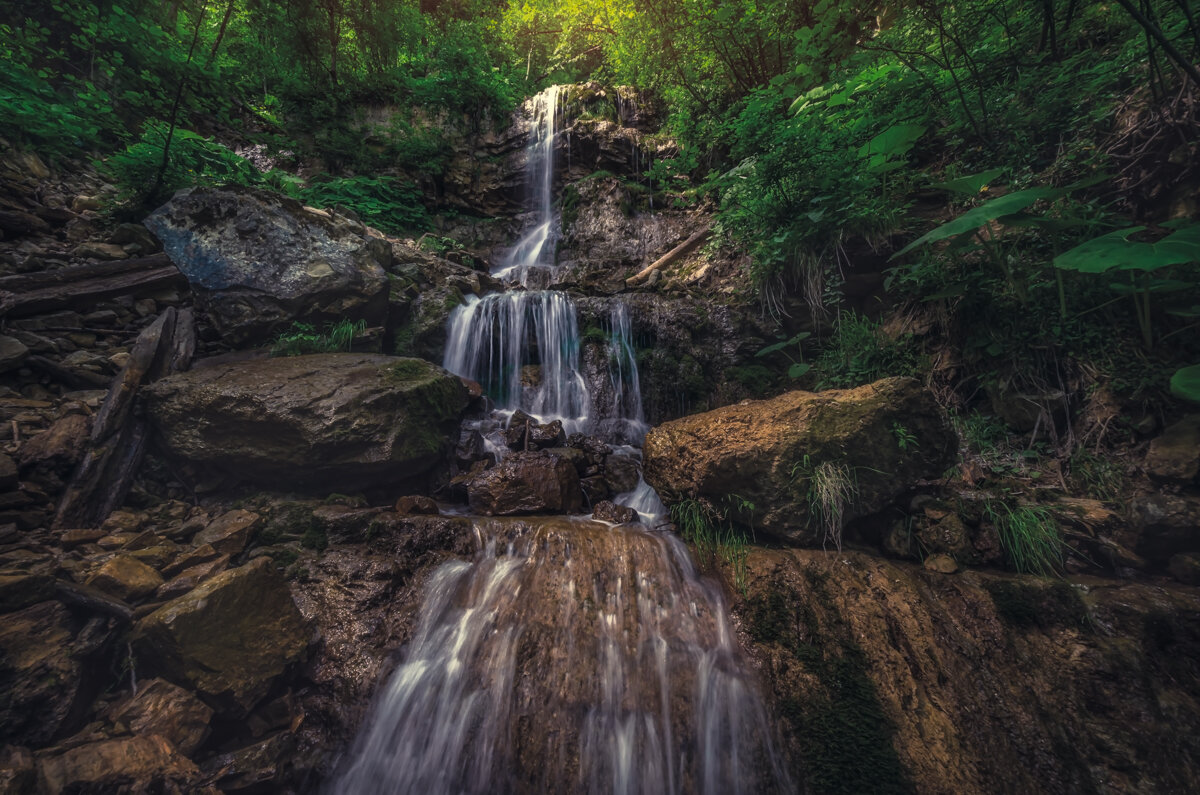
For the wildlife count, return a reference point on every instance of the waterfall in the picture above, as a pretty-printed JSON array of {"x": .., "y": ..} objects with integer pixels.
[
  {"x": 534, "y": 251},
  {"x": 568, "y": 657},
  {"x": 625, "y": 412},
  {"x": 523, "y": 348}
]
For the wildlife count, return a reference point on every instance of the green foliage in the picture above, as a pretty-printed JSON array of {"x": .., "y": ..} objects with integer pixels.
[
  {"x": 386, "y": 203},
  {"x": 1099, "y": 476},
  {"x": 193, "y": 160},
  {"x": 1030, "y": 536},
  {"x": 1185, "y": 383},
  {"x": 905, "y": 439},
  {"x": 713, "y": 535},
  {"x": 829, "y": 488},
  {"x": 798, "y": 366},
  {"x": 303, "y": 338},
  {"x": 858, "y": 353}
]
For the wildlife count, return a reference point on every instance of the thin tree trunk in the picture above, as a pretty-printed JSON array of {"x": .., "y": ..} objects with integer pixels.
[
  {"x": 220, "y": 34},
  {"x": 162, "y": 168},
  {"x": 1155, "y": 32}
]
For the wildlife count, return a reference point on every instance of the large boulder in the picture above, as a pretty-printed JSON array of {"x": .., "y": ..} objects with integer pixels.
[
  {"x": 127, "y": 764},
  {"x": 328, "y": 422},
  {"x": 258, "y": 261},
  {"x": 228, "y": 639},
  {"x": 526, "y": 483},
  {"x": 763, "y": 460}
]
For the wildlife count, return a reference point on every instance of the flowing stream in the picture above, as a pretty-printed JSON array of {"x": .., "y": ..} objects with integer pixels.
[{"x": 569, "y": 655}]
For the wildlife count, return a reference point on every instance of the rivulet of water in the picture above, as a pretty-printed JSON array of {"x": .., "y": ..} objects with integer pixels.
[{"x": 567, "y": 657}]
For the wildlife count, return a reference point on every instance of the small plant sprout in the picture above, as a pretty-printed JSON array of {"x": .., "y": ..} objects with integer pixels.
[
  {"x": 798, "y": 367},
  {"x": 1030, "y": 535},
  {"x": 905, "y": 439}
]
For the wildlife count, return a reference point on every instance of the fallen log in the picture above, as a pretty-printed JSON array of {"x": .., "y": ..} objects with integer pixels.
[
  {"x": 87, "y": 285},
  {"x": 684, "y": 248},
  {"x": 92, "y": 600},
  {"x": 119, "y": 435},
  {"x": 24, "y": 282},
  {"x": 73, "y": 377}
]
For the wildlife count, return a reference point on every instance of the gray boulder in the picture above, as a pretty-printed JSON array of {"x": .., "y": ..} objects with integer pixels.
[
  {"x": 327, "y": 422},
  {"x": 258, "y": 261}
]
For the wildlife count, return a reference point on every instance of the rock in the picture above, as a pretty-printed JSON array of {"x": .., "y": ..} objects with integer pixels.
[
  {"x": 607, "y": 511},
  {"x": 8, "y": 472},
  {"x": 126, "y": 578},
  {"x": 17, "y": 772},
  {"x": 949, "y": 536},
  {"x": 166, "y": 710},
  {"x": 95, "y": 250},
  {"x": 417, "y": 505},
  {"x": 84, "y": 203},
  {"x": 228, "y": 639},
  {"x": 522, "y": 428},
  {"x": 50, "y": 457},
  {"x": 190, "y": 577},
  {"x": 335, "y": 421},
  {"x": 621, "y": 473},
  {"x": 19, "y": 590},
  {"x": 1167, "y": 525},
  {"x": 120, "y": 522},
  {"x": 201, "y": 554},
  {"x": 1174, "y": 456},
  {"x": 1185, "y": 568},
  {"x": 136, "y": 237},
  {"x": 769, "y": 451},
  {"x": 257, "y": 261},
  {"x": 80, "y": 535},
  {"x": 127, "y": 764},
  {"x": 41, "y": 679},
  {"x": 13, "y": 353},
  {"x": 524, "y": 483},
  {"x": 230, "y": 532},
  {"x": 941, "y": 563}
]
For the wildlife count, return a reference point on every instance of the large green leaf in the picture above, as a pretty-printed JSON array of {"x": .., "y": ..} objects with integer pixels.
[
  {"x": 984, "y": 213},
  {"x": 1115, "y": 251},
  {"x": 1186, "y": 383},
  {"x": 972, "y": 184},
  {"x": 895, "y": 140}
]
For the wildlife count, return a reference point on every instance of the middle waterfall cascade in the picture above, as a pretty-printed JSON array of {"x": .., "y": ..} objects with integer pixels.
[
  {"x": 493, "y": 340},
  {"x": 568, "y": 657}
]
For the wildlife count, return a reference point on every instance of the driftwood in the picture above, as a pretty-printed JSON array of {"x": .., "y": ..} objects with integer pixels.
[
  {"x": 92, "y": 600},
  {"x": 119, "y": 435},
  {"x": 684, "y": 248},
  {"x": 71, "y": 376},
  {"x": 34, "y": 293}
]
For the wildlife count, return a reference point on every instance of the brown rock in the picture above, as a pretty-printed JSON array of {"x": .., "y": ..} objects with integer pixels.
[
  {"x": 8, "y": 472},
  {"x": 19, "y": 590},
  {"x": 201, "y": 554},
  {"x": 1185, "y": 568},
  {"x": 1174, "y": 456},
  {"x": 949, "y": 537},
  {"x": 417, "y": 505},
  {"x": 1167, "y": 524},
  {"x": 607, "y": 511},
  {"x": 96, "y": 250},
  {"x": 51, "y": 456},
  {"x": 126, "y": 578},
  {"x": 162, "y": 708},
  {"x": 229, "y": 638},
  {"x": 941, "y": 563},
  {"x": 190, "y": 577},
  {"x": 128, "y": 764},
  {"x": 80, "y": 535},
  {"x": 13, "y": 353},
  {"x": 526, "y": 483},
  {"x": 230, "y": 532},
  {"x": 17, "y": 772},
  {"x": 768, "y": 451},
  {"x": 40, "y": 677},
  {"x": 157, "y": 556},
  {"x": 326, "y": 422},
  {"x": 123, "y": 522}
]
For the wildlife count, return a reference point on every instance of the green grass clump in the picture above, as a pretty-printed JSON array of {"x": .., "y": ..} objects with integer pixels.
[
  {"x": 1030, "y": 536},
  {"x": 713, "y": 536},
  {"x": 303, "y": 338}
]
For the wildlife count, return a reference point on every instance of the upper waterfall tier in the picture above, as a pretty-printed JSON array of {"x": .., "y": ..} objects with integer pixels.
[{"x": 534, "y": 251}]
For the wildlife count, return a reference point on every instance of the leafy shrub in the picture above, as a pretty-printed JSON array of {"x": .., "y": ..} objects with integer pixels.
[
  {"x": 193, "y": 160},
  {"x": 387, "y": 203},
  {"x": 858, "y": 353}
]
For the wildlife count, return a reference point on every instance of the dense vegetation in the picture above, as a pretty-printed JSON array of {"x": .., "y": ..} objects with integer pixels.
[{"x": 1045, "y": 151}]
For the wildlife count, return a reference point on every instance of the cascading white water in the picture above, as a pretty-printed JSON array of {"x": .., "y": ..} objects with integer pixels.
[
  {"x": 495, "y": 339},
  {"x": 534, "y": 251},
  {"x": 625, "y": 412},
  {"x": 573, "y": 658}
]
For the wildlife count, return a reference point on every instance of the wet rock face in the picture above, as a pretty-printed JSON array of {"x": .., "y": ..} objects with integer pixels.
[
  {"x": 328, "y": 422},
  {"x": 775, "y": 453},
  {"x": 228, "y": 639},
  {"x": 258, "y": 261},
  {"x": 889, "y": 678},
  {"x": 41, "y": 679},
  {"x": 526, "y": 483},
  {"x": 137, "y": 764}
]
